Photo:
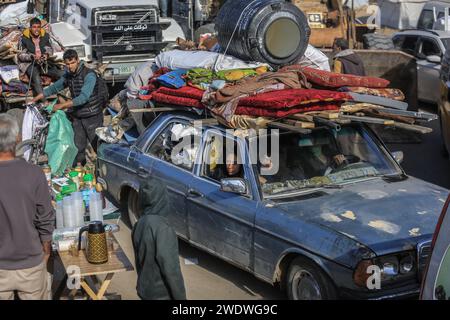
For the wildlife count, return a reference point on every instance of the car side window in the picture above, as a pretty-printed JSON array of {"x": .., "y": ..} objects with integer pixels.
[
  {"x": 221, "y": 158},
  {"x": 409, "y": 44},
  {"x": 178, "y": 143},
  {"x": 398, "y": 40},
  {"x": 429, "y": 47}
]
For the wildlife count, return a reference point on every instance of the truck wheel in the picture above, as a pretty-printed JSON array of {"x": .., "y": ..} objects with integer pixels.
[
  {"x": 377, "y": 41},
  {"x": 206, "y": 28},
  {"x": 305, "y": 281},
  {"x": 133, "y": 207}
]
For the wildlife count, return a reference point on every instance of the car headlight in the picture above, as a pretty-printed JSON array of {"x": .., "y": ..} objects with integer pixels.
[
  {"x": 388, "y": 267},
  {"x": 391, "y": 268},
  {"x": 406, "y": 264},
  {"x": 396, "y": 266},
  {"x": 81, "y": 50}
]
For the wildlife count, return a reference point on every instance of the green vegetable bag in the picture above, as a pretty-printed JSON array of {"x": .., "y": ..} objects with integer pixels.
[{"x": 60, "y": 146}]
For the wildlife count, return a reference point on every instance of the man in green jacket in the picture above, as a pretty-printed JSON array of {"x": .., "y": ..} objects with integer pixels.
[{"x": 156, "y": 247}]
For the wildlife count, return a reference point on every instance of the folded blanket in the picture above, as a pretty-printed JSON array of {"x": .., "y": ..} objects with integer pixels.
[
  {"x": 293, "y": 97},
  {"x": 328, "y": 79},
  {"x": 281, "y": 113},
  {"x": 394, "y": 94}
]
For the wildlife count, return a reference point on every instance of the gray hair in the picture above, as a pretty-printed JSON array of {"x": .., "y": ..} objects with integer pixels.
[{"x": 9, "y": 130}]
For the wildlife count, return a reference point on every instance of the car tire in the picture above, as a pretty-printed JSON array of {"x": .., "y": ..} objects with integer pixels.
[
  {"x": 377, "y": 41},
  {"x": 306, "y": 281},
  {"x": 133, "y": 207}
]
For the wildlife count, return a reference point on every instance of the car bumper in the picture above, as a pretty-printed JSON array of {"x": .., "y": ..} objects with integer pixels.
[
  {"x": 119, "y": 68},
  {"x": 401, "y": 293}
]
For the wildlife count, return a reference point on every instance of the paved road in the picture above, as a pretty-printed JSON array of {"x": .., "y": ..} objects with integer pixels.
[
  {"x": 211, "y": 278},
  {"x": 425, "y": 160}
]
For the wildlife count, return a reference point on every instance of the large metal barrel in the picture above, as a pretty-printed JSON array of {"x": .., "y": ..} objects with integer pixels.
[{"x": 271, "y": 31}]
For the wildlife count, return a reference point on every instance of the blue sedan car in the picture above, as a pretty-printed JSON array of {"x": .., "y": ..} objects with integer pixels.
[{"x": 330, "y": 214}]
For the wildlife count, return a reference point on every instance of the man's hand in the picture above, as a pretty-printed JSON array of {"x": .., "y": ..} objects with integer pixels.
[
  {"x": 35, "y": 99},
  {"x": 339, "y": 159},
  {"x": 62, "y": 106},
  {"x": 47, "y": 248},
  {"x": 58, "y": 106}
]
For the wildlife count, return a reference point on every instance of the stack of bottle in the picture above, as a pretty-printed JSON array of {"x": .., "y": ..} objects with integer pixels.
[{"x": 78, "y": 198}]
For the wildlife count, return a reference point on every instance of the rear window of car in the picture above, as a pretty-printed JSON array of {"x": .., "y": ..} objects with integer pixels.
[{"x": 426, "y": 20}]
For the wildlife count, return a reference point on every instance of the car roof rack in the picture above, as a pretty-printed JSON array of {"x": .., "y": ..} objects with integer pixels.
[{"x": 305, "y": 123}]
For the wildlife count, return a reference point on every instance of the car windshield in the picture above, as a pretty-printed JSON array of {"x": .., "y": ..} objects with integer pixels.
[{"x": 323, "y": 159}]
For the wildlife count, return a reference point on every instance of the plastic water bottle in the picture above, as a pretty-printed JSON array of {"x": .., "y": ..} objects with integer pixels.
[
  {"x": 69, "y": 214},
  {"x": 59, "y": 215},
  {"x": 79, "y": 208},
  {"x": 95, "y": 207}
]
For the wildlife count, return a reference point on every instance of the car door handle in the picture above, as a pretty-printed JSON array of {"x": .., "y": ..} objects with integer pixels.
[
  {"x": 143, "y": 173},
  {"x": 195, "y": 193}
]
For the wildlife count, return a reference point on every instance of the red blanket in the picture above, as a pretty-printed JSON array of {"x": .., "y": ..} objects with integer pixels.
[
  {"x": 336, "y": 80},
  {"x": 179, "y": 101},
  {"x": 293, "y": 97},
  {"x": 280, "y": 113}
]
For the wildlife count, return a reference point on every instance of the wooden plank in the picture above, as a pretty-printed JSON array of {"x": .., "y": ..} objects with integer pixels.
[
  {"x": 369, "y": 120},
  {"x": 301, "y": 117},
  {"x": 284, "y": 126},
  {"x": 352, "y": 108},
  {"x": 300, "y": 124},
  {"x": 327, "y": 115},
  {"x": 105, "y": 286},
  {"x": 88, "y": 290},
  {"x": 415, "y": 128},
  {"x": 342, "y": 121},
  {"x": 205, "y": 122},
  {"x": 159, "y": 109}
]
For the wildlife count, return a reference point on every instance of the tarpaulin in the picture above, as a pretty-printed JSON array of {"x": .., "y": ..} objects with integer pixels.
[{"x": 60, "y": 146}]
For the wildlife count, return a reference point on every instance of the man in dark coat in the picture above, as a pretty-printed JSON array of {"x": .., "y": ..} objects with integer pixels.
[
  {"x": 156, "y": 247},
  {"x": 33, "y": 59},
  {"x": 89, "y": 97},
  {"x": 346, "y": 60}
]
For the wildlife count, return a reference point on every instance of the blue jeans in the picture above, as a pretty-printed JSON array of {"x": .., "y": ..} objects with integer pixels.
[{"x": 163, "y": 7}]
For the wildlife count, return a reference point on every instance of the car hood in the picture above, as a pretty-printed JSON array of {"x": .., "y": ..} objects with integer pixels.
[{"x": 384, "y": 216}]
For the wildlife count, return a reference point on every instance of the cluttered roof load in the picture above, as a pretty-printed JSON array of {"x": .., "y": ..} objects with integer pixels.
[{"x": 245, "y": 85}]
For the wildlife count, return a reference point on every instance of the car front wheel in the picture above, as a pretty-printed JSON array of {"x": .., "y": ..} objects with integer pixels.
[{"x": 305, "y": 281}]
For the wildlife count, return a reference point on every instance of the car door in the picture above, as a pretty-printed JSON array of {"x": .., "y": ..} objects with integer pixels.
[
  {"x": 221, "y": 222},
  {"x": 173, "y": 151},
  {"x": 436, "y": 284},
  {"x": 428, "y": 72}
]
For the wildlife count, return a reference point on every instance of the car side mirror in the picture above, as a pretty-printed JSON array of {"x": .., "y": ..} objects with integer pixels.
[
  {"x": 233, "y": 185},
  {"x": 398, "y": 156},
  {"x": 434, "y": 59}
]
